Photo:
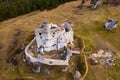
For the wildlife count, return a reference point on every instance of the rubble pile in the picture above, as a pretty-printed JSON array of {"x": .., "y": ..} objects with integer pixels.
[{"x": 105, "y": 57}]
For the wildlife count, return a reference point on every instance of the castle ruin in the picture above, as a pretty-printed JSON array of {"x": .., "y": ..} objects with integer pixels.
[
  {"x": 52, "y": 44},
  {"x": 50, "y": 36}
]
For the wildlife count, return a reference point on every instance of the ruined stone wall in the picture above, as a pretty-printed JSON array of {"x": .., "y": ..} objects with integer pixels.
[{"x": 45, "y": 60}]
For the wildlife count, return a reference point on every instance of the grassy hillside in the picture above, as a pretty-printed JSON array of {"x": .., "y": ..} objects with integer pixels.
[{"x": 88, "y": 24}]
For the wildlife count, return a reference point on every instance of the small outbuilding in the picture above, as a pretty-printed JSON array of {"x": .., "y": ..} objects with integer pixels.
[
  {"x": 111, "y": 24},
  {"x": 95, "y": 4}
]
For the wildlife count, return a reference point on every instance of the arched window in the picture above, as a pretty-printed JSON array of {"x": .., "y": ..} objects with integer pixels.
[
  {"x": 39, "y": 33},
  {"x": 67, "y": 29}
]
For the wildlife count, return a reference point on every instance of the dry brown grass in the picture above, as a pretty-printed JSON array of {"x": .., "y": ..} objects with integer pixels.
[{"x": 88, "y": 24}]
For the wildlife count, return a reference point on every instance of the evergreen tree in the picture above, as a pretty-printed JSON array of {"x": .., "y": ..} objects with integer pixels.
[
  {"x": 92, "y": 1},
  {"x": 83, "y": 1}
]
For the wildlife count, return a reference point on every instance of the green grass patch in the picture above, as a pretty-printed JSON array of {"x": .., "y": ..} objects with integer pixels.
[
  {"x": 88, "y": 45},
  {"x": 115, "y": 70}
]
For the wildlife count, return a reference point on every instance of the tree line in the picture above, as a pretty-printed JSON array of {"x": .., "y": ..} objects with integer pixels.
[{"x": 14, "y": 8}]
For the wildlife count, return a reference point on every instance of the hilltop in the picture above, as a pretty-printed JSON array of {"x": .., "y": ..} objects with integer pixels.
[{"x": 88, "y": 24}]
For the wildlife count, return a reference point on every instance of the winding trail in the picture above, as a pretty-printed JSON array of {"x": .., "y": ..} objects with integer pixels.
[
  {"x": 30, "y": 78},
  {"x": 85, "y": 57},
  {"x": 86, "y": 68}
]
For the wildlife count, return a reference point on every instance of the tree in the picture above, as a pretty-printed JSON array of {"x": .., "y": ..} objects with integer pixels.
[
  {"x": 83, "y": 1},
  {"x": 13, "y": 8}
]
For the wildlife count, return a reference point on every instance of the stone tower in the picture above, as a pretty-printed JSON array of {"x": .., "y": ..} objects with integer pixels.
[{"x": 50, "y": 36}]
